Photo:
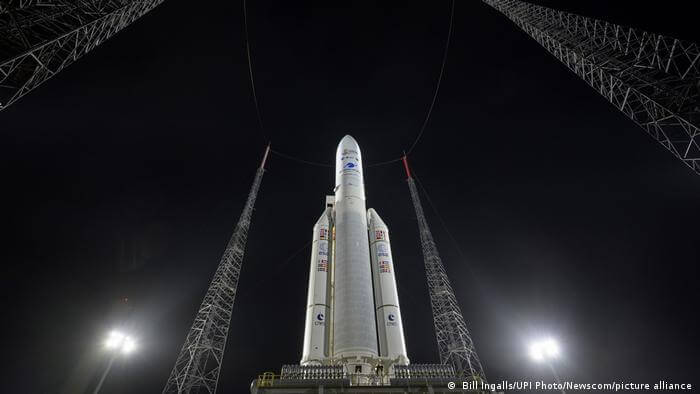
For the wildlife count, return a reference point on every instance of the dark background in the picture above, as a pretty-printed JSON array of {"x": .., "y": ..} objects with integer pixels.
[{"x": 124, "y": 175}]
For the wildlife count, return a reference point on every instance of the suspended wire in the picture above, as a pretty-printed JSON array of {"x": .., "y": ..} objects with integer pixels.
[
  {"x": 439, "y": 81},
  {"x": 442, "y": 221},
  {"x": 293, "y": 255},
  {"x": 282, "y": 265},
  {"x": 476, "y": 283},
  {"x": 250, "y": 70},
  {"x": 384, "y": 162},
  {"x": 313, "y": 163},
  {"x": 326, "y": 165},
  {"x": 258, "y": 113}
]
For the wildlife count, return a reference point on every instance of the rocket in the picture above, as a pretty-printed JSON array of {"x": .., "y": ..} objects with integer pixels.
[
  {"x": 386, "y": 298},
  {"x": 316, "y": 333},
  {"x": 354, "y": 325},
  {"x": 353, "y": 316}
]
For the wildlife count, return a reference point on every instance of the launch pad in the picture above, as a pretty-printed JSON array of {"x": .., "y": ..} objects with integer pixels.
[
  {"x": 414, "y": 378},
  {"x": 436, "y": 388}
]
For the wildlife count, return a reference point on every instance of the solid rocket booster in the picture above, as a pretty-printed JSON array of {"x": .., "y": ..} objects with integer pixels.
[
  {"x": 354, "y": 326},
  {"x": 392, "y": 344},
  {"x": 317, "y": 330}
]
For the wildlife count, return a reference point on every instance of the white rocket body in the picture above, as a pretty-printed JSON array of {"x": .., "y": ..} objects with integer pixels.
[
  {"x": 392, "y": 344},
  {"x": 352, "y": 316},
  {"x": 354, "y": 326},
  {"x": 317, "y": 329}
]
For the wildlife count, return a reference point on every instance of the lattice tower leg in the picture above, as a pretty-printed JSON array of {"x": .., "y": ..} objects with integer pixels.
[
  {"x": 199, "y": 362},
  {"x": 454, "y": 341}
]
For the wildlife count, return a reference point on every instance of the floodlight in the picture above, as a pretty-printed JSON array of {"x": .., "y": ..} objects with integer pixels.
[
  {"x": 551, "y": 347},
  {"x": 544, "y": 349},
  {"x": 128, "y": 346},
  {"x": 536, "y": 352},
  {"x": 114, "y": 340}
]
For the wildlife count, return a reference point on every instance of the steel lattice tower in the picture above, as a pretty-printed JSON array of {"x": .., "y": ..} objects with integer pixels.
[
  {"x": 199, "y": 362},
  {"x": 653, "y": 79},
  {"x": 454, "y": 341},
  {"x": 39, "y": 38}
]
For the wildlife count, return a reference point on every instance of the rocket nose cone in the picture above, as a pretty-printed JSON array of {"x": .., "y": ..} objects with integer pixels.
[
  {"x": 371, "y": 213},
  {"x": 348, "y": 137},
  {"x": 348, "y": 141},
  {"x": 347, "y": 144},
  {"x": 348, "y": 160},
  {"x": 374, "y": 219}
]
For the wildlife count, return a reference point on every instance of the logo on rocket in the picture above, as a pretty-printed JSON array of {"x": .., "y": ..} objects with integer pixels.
[
  {"x": 391, "y": 320},
  {"x": 319, "y": 320}
]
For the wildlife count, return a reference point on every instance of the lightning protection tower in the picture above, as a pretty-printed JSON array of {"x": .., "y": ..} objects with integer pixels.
[
  {"x": 454, "y": 341},
  {"x": 199, "y": 363},
  {"x": 39, "y": 38},
  {"x": 653, "y": 79}
]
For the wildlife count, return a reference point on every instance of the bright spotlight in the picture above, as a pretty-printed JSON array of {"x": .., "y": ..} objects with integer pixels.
[
  {"x": 536, "y": 352},
  {"x": 551, "y": 347},
  {"x": 114, "y": 340},
  {"x": 128, "y": 346},
  {"x": 544, "y": 349},
  {"x": 117, "y": 341}
]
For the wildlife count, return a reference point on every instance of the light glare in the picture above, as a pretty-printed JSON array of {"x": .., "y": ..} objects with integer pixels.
[
  {"x": 114, "y": 340},
  {"x": 128, "y": 346},
  {"x": 544, "y": 349},
  {"x": 551, "y": 347},
  {"x": 536, "y": 352},
  {"x": 120, "y": 342}
]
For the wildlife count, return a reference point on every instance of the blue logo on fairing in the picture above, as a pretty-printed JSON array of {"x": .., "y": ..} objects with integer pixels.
[
  {"x": 349, "y": 165},
  {"x": 391, "y": 317},
  {"x": 320, "y": 317}
]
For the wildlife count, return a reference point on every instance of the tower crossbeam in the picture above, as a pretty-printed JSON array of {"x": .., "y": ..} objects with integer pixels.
[
  {"x": 651, "y": 78},
  {"x": 39, "y": 38},
  {"x": 19, "y": 4},
  {"x": 199, "y": 363},
  {"x": 455, "y": 344}
]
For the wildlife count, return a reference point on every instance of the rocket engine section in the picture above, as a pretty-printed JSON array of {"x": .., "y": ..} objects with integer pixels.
[
  {"x": 317, "y": 329},
  {"x": 392, "y": 344}
]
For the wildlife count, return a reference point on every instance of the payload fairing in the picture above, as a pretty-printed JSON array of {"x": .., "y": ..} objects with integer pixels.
[{"x": 353, "y": 316}]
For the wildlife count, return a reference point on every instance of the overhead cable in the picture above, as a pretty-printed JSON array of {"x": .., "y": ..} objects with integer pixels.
[
  {"x": 326, "y": 165},
  {"x": 277, "y": 269},
  {"x": 439, "y": 81},
  {"x": 313, "y": 163},
  {"x": 443, "y": 223},
  {"x": 250, "y": 70},
  {"x": 384, "y": 162}
]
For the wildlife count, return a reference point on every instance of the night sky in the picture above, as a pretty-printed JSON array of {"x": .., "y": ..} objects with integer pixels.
[{"x": 124, "y": 176}]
